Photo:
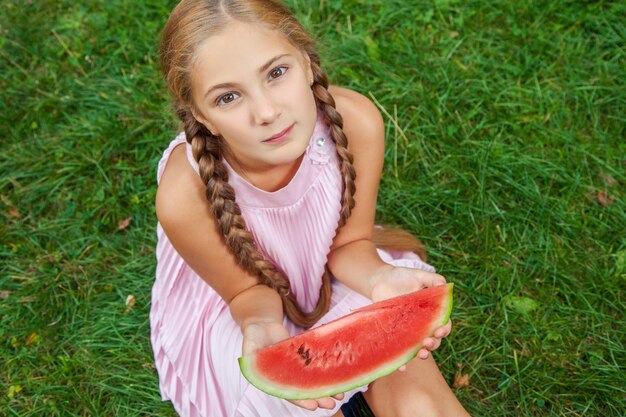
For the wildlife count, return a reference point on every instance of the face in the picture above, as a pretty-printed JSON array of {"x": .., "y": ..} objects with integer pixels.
[{"x": 252, "y": 87}]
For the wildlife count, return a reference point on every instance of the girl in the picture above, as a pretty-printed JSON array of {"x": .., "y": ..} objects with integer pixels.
[{"x": 266, "y": 216}]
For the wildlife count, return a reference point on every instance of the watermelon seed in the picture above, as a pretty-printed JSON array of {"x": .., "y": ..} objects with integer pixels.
[{"x": 307, "y": 362}]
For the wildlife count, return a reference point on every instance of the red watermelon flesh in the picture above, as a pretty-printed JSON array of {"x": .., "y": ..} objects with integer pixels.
[{"x": 351, "y": 351}]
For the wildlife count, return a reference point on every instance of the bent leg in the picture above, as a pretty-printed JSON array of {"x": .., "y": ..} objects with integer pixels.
[{"x": 419, "y": 391}]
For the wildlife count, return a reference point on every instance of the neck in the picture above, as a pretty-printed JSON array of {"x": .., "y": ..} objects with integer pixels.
[{"x": 269, "y": 179}]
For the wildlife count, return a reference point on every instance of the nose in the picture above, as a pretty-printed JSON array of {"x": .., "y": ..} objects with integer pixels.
[{"x": 264, "y": 109}]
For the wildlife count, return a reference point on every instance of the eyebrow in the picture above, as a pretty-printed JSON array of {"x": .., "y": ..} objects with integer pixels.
[{"x": 262, "y": 69}]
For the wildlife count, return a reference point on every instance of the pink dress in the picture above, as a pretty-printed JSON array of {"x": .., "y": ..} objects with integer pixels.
[{"x": 195, "y": 341}]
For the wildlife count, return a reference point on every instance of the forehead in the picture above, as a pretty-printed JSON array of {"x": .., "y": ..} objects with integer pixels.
[{"x": 239, "y": 50}]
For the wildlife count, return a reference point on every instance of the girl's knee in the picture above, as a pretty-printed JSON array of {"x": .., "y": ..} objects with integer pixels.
[
  {"x": 411, "y": 395},
  {"x": 418, "y": 404}
]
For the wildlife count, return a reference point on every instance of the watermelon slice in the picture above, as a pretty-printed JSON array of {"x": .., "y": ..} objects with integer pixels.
[{"x": 351, "y": 351}]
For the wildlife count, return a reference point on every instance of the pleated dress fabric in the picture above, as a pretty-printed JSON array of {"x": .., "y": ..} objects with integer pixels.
[{"x": 194, "y": 339}]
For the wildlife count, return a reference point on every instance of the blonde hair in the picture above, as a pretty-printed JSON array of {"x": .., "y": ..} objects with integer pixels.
[{"x": 192, "y": 22}]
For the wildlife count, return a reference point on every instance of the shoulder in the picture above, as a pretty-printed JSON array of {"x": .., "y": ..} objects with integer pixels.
[
  {"x": 185, "y": 215},
  {"x": 365, "y": 130},
  {"x": 358, "y": 111},
  {"x": 363, "y": 123},
  {"x": 180, "y": 190}
]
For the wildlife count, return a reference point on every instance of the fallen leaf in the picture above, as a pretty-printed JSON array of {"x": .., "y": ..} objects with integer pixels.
[
  {"x": 130, "y": 302},
  {"x": 4, "y": 295},
  {"x": 14, "y": 389},
  {"x": 123, "y": 224},
  {"x": 522, "y": 305},
  {"x": 609, "y": 180},
  {"x": 605, "y": 199},
  {"x": 460, "y": 380},
  {"x": 33, "y": 339},
  {"x": 13, "y": 212}
]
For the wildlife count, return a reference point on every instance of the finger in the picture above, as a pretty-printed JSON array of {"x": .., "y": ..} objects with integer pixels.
[
  {"x": 423, "y": 354},
  {"x": 444, "y": 331},
  {"x": 326, "y": 402},
  {"x": 431, "y": 343},
  {"x": 427, "y": 343},
  {"x": 435, "y": 344},
  {"x": 438, "y": 280},
  {"x": 339, "y": 396},
  {"x": 310, "y": 405},
  {"x": 402, "y": 368}
]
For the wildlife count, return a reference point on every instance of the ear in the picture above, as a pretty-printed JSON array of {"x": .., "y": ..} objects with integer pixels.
[{"x": 200, "y": 118}]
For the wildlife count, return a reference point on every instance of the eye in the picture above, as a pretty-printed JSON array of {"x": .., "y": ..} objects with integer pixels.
[
  {"x": 226, "y": 98},
  {"x": 277, "y": 72}
]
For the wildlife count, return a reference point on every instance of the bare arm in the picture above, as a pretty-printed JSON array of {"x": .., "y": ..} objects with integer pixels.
[
  {"x": 364, "y": 127},
  {"x": 353, "y": 258},
  {"x": 184, "y": 214}
]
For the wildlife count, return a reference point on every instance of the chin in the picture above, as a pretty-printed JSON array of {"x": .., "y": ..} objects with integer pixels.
[{"x": 291, "y": 153}]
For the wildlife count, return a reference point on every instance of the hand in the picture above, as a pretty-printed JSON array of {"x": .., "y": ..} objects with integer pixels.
[
  {"x": 393, "y": 281},
  {"x": 259, "y": 334}
]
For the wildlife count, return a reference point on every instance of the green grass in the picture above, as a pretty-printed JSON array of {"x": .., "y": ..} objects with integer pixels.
[{"x": 506, "y": 154}]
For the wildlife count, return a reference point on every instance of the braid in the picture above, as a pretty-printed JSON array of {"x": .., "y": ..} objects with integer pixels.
[
  {"x": 189, "y": 25},
  {"x": 335, "y": 121},
  {"x": 207, "y": 150}
]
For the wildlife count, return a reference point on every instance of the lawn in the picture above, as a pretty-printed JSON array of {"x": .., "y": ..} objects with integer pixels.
[{"x": 506, "y": 155}]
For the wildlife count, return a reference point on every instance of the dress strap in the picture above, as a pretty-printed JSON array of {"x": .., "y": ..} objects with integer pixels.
[
  {"x": 191, "y": 159},
  {"x": 179, "y": 139}
]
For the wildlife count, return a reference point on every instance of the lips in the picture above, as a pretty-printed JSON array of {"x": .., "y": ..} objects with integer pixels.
[{"x": 280, "y": 135}]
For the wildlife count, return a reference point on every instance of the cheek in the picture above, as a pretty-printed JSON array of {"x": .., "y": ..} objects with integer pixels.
[
  {"x": 228, "y": 123},
  {"x": 299, "y": 87},
  {"x": 311, "y": 104},
  {"x": 305, "y": 97}
]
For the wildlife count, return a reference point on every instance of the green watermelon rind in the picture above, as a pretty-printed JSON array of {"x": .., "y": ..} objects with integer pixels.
[{"x": 246, "y": 364}]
